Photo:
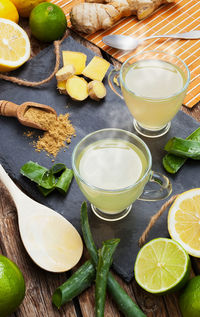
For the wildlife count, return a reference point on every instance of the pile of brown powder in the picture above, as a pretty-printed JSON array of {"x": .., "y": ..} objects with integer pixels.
[{"x": 59, "y": 130}]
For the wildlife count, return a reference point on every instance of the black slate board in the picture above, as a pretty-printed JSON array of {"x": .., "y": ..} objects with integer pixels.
[{"x": 88, "y": 116}]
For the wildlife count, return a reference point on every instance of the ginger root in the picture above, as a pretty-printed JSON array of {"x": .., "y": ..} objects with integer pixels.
[
  {"x": 77, "y": 59},
  {"x": 96, "y": 69},
  {"x": 93, "y": 15},
  {"x": 77, "y": 88},
  {"x": 96, "y": 90},
  {"x": 65, "y": 72},
  {"x": 61, "y": 85}
]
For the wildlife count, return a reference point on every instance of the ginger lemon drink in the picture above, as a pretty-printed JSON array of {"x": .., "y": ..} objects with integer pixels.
[
  {"x": 153, "y": 85},
  {"x": 109, "y": 166},
  {"x": 153, "y": 92},
  {"x": 112, "y": 167}
]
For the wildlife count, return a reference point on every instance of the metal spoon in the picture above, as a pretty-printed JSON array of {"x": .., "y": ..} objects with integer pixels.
[
  {"x": 10, "y": 109},
  {"x": 50, "y": 240},
  {"x": 123, "y": 42}
]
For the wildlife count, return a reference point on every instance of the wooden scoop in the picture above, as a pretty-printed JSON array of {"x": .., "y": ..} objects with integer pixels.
[
  {"x": 51, "y": 240},
  {"x": 10, "y": 109}
]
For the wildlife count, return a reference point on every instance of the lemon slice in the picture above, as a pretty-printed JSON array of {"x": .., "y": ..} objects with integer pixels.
[
  {"x": 14, "y": 46},
  {"x": 162, "y": 266},
  {"x": 184, "y": 221}
]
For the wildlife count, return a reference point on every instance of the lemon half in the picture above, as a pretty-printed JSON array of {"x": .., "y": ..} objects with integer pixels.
[
  {"x": 184, "y": 221},
  {"x": 14, "y": 46}
]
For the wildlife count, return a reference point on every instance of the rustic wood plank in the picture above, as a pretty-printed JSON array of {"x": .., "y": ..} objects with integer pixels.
[
  {"x": 40, "y": 284},
  {"x": 196, "y": 265}
]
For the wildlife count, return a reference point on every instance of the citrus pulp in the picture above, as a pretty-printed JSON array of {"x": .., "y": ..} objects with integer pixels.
[
  {"x": 184, "y": 221},
  {"x": 12, "y": 286},
  {"x": 8, "y": 11},
  {"x": 14, "y": 46},
  {"x": 47, "y": 22},
  {"x": 162, "y": 266}
]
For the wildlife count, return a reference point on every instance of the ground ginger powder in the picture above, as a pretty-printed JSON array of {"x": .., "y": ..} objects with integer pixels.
[{"x": 59, "y": 130}]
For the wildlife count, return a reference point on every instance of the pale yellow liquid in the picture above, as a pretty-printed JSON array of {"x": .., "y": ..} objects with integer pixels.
[
  {"x": 154, "y": 92},
  {"x": 108, "y": 167}
]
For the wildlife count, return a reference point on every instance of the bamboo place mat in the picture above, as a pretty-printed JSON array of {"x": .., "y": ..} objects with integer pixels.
[{"x": 180, "y": 16}]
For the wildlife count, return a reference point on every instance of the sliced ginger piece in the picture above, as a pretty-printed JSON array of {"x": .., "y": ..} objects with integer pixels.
[
  {"x": 61, "y": 85},
  {"x": 65, "y": 72},
  {"x": 77, "y": 59},
  {"x": 77, "y": 88},
  {"x": 96, "y": 90},
  {"x": 96, "y": 69}
]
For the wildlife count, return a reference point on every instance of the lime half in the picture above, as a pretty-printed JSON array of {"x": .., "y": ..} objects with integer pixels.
[{"x": 162, "y": 266}]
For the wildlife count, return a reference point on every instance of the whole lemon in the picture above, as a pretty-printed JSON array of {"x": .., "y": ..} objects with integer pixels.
[
  {"x": 25, "y": 7},
  {"x": 12, "y": 286},
  {"x": 47, "y": 22},
  {"x": 8, "y": 11}
]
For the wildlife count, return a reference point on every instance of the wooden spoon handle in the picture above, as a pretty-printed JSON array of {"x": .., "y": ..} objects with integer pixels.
[
  {"x": 8, "y": 108},
  {"x": 18, "y": 196}
]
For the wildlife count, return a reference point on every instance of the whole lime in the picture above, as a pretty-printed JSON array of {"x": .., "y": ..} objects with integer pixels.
[
  {"x": 189, "y": 300},
  {"x": 47, "y": 22},
  {"x": 12, "y": 286}
]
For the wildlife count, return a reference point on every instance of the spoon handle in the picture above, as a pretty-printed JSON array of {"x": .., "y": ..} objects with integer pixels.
[
  {"x": 18, "y": 196},
  {"x": 192, "y": 35},
  {"x": 8, "y": 108}
]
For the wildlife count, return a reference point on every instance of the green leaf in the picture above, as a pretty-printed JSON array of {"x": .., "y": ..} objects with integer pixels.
[
  {"x": 57, "y": 168},
  {"x": 45, "y": 192},
  {"x": 33, "y": 171},
  {"x": 64, "y": 181},
  {"x": 48, "y": 180}
]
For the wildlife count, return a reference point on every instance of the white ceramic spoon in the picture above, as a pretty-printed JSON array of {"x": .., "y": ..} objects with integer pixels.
[{"x": 51, "y": 241}]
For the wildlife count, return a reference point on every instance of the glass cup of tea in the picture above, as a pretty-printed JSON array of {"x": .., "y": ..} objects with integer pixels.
[
  {"x": 153, "y": 86},
  {"x": 112, "y": 167}
]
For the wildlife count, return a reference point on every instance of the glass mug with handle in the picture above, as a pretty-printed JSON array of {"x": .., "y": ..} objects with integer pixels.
[
  {"x": 112, "y": 167},
  {"x": 153, "y": 85}
]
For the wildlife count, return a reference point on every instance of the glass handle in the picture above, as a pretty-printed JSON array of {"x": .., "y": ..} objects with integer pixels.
[
  {"x": 164, "y": 190},
  {"x": 113, "y": 80}
]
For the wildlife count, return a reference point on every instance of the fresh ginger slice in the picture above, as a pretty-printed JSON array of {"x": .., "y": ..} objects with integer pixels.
[
  {"x": 96, "y": 90},
  {"x": 61, "y": 85},
  {"x": 77, "y": 88},
  {"x": 77, "y": 59},
  {"x": 65, "y": 72},
  {"x": 96, "y": 69}
]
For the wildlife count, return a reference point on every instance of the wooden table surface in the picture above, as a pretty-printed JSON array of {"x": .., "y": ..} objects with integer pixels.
[{"x": 40, "y": 284}]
